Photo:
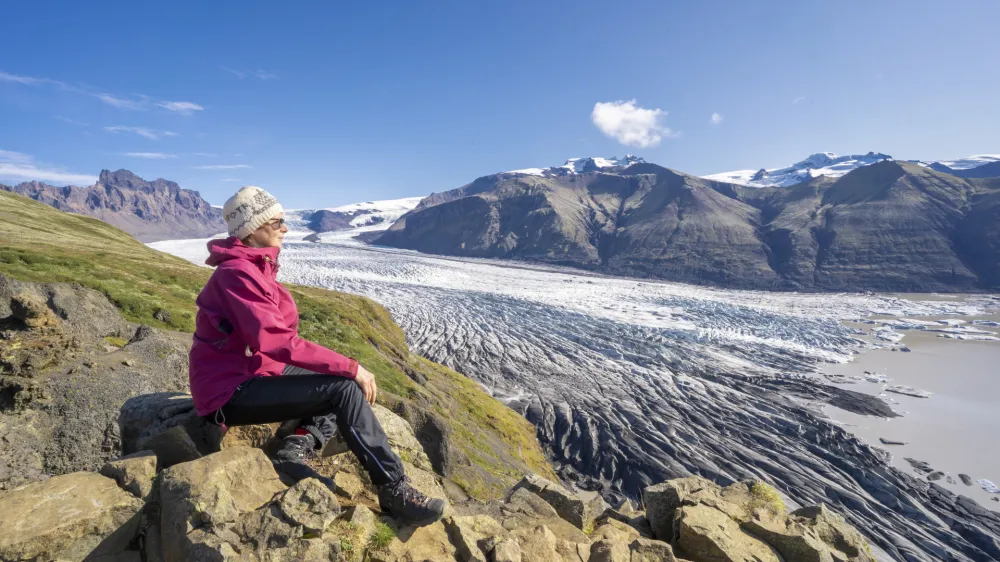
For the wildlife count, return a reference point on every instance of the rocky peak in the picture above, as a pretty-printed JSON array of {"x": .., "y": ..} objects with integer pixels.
[{"x": 149, "y": 210}]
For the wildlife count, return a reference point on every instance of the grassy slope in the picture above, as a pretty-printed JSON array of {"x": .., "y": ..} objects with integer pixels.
[{"x": 487, "y": 447}]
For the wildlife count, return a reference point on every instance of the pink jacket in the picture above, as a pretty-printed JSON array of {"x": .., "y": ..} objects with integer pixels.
[{"x": 247, "y": 326}]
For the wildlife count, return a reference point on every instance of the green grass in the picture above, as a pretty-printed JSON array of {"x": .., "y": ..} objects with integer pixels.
[
  {"x": 115, "y": 341},
  {"x": 764, "y": 496},
  {"x": 381, "y": 536},
  {"x": 492, "y": 444}
]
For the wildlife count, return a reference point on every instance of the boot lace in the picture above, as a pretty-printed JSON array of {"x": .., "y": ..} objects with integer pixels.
[
  {"x": 405, "y": 491},
  {"x": 296, "y": 449}
]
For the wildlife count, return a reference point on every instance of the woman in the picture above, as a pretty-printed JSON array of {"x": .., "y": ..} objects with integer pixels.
[{"x": 249, "y": 366}]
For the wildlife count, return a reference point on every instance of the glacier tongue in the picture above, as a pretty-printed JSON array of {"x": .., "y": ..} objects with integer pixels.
[{"x": 631, "y": 382}]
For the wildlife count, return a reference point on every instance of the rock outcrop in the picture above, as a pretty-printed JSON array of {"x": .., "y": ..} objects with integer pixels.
[
  {"x": 886, "y": 226},
  {"x": 69, "y": 517},
  {"x": 231, "y": 506},
  {"x": 65, "y": 370},
  {"x": 148, "y": 210}
]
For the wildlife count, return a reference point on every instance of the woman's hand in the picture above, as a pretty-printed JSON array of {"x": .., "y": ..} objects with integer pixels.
[{"x": 367, "y": 383}]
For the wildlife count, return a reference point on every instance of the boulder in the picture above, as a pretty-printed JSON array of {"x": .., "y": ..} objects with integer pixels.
[
  {"x": 568, "y": 505},
  {"x": 470, "y": 535},
  {"x": 416, "y": 545},
  {"x": 134, "y": 473},
  {"x": 31, "y": 308},
  {"x": 707, "y": 534},
  {"x": 146, "y": 416},
  {"x": 522, "y": 501},
  {"x": 813, "y": 534},
  {"x": 647, "y": 550},
  {"x": 67, "y": 518},
  {"x": 310, "y": 505},
  {"x": 614, "y": 530},
  {"x": 662, "y": 500},
  {"x": 173, "y": 446},
  {"x": 402, "y": 439},
  {"x": 143, "y": 418},
  {"x": 538, "y": 545},
  {"x": 211, "y": 492},
  {"x": 348, "y": 485},
  {"x": 506, "y": 550},
  {"x": 608, "y": 550}
]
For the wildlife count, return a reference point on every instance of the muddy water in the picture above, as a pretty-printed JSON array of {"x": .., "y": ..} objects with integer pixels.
[{"x": 956, "y": 430}]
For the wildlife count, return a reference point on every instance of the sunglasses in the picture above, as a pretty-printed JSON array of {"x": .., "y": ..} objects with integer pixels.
[{"x": 276, "y": 224}]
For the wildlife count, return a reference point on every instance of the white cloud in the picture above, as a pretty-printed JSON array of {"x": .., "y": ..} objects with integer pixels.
[
  {"x": 151, "y": 155},
  {"x": 27, "y": 80},
  {"x": 150, "y": 134},
  {"x": 182, "y": 107},
  {"x": 224, "y": 167},
  {"x": 716, "y": 119},
  {"x": 19, "y": 167},
  {"x": 264, "y": 75},
  {"x": 629, "y": 124},
  {"x": 136, "y": 102},
  {"x": 798, "y": 100},
  {"x": 237, "y": 73},
  {"x": 11, "y": 156},
  {"x": 206, "y": 154},
  {"x": 121, "y": 103},
  {"x": 71, "y": 121},
  {"x": 259, "y": 74}
]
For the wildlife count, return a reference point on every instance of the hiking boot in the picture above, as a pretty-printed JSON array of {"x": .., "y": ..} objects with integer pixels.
[
  {"x": 291, "y": 460},
  {"x": 409, "y": 506}
]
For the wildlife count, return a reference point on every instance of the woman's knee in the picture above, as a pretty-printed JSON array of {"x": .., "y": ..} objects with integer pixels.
[{"x": 347, "y": 391}]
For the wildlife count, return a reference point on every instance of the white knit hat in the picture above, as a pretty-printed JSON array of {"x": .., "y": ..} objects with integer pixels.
[{"x": 248, "y": 210}]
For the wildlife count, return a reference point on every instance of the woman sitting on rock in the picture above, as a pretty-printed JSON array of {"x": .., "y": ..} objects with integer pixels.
[{"x": 249, "y": 365}]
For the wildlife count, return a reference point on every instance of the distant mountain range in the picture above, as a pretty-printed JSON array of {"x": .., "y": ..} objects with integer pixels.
[
  {"x": 149, "y": 210},
  {"x": 365, "y": 216},
  {"x": 830, "y": 165},
  {"x": 869, "y": 222}
]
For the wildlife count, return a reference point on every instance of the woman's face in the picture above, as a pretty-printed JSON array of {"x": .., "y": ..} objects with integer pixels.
[{"x": 271, "y": 234}]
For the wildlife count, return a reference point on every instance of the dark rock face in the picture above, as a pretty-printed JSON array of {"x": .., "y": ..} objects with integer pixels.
[
  {"x": 150, "y": 211},
  {"x": 329, "y": 221},
  {"x": 61, "y": 382},
  {"x": 889, "y": 226}
]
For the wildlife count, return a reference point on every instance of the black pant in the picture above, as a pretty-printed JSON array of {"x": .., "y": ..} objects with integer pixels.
[{"x": 320, "y": 402}]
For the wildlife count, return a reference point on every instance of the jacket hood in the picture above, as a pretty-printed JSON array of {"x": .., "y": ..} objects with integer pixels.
[{"x": 225, "y": 249}]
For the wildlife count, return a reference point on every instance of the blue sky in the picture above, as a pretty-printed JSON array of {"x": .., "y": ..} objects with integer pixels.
[{"x": 331, "y": 103}]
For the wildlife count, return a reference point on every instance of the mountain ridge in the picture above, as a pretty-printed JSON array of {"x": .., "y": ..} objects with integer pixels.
[
  {"x": 149, "y": 210},
  {"x": 855, "y": 232}
]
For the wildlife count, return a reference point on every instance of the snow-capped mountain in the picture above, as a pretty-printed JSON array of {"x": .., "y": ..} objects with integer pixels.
[
  {"x": 580, "y": 166},
  {"x": 368, "y": 215},
  {"x": 819, "y": 164},
  {"x": 829, "y": 164},
  {"x": 970, "y": 162}
]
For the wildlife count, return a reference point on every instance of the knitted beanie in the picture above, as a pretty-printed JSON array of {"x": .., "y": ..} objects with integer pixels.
[{"x": 248, "y": 210}]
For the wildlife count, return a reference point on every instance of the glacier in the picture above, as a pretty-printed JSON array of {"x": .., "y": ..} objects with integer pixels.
[{"x": 630, "y": 382}]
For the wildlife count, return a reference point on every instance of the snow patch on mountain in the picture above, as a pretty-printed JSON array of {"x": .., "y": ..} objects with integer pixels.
[
  {"x": 970, "y": 162},
  {"x": 580, "y": 166},
  {"x": 379, "y": 215},
  {"x": 819, "y": 164}
]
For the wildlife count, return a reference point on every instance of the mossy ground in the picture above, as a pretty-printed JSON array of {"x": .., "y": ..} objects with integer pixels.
[
  {"x": 494, "y": 445},
  {"x": 763, "y": 496}
]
